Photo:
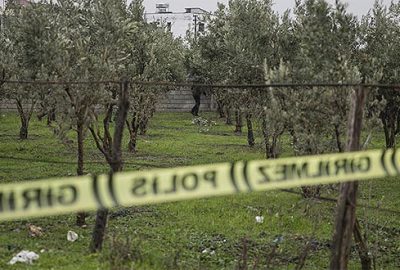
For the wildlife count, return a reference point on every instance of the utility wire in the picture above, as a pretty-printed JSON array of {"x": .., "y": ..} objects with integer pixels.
[
  {"x": 333, "y": 200},
  {"x": 39, "y": 82},
  {"x": 73, "y": 163},
  {"x": 265, "y": 86},
  {"x": 191, "y": 84}
]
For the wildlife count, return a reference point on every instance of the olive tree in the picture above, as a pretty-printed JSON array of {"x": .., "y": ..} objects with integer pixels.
[
  {"x": 326, "y": 38},
  {"x": 74, "y": 61},
  {"x": 27, "y": 37},
  {"x": 273, "y": 103},
  {"x": 327, "y": 48},
  {"x": 272, "y": 109},
  {"x": 207, "y": 58},
  {"x": 380, "y": 34},
  {"x": 107, "y": 59},
  {"x": 155, "y": 56},
  {"x": 241, "y": 37}
]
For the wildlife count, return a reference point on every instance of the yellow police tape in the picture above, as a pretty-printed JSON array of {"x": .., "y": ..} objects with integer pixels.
[{"x": 60, "y": 196}]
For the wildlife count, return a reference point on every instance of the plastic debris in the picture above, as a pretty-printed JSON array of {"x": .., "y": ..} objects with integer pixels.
[
  {"x": 24, "y": 256},
  {"x": 208, "y": 251},
  {"x": 279, "y": 239},
  {"x": 72, "y": 236},
  {"x": 35, "y": 231},
  {"x": 259, "y": 219},
  {"x": 205, "y": 251}
]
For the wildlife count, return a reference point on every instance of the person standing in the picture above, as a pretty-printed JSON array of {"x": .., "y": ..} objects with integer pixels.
[{"x": 196, "y": 92}]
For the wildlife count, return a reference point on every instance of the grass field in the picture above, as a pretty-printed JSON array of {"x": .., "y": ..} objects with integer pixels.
[{"x": 218, "y": 233}]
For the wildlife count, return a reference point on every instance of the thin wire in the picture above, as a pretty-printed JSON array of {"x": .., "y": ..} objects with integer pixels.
[
  {"x": 58, "y": 82},
  {"x": 74, "y": 163},
  {"x": 264, "y": 86},
  {"x": 333, "y": 200},
  {"x": 190, "y": 84}
]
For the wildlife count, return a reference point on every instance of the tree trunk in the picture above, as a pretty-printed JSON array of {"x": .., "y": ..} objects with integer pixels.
[
  {"x": 23, "y": 131},
  {"x": 385, "y": 128},
  {"x": 266, "y": 139},
  {"x": 250, "y": 133},
  {"x": 80, "y": 138},
  {"x": 228, "y": 119},
  {"x": 81, "y": 216},
  {"x": 143, "y": 125},
  {"x": 338, "y": 140},
  {"x": 220, "y": 109},
  {"x": 239, "y": 124},
  {"x": 362, "y": 248},
  {"x": 25, "y": 118},
  {"x": 99, "y": 230},
  {"x": 389, "y": 119},
  {"x": 294, "y": 140},
  {"x": 133, "y": 133},
  {"x": 271, "y": 146},
  {"x": 391, "y": 142},
  {"x": 132, "y": 140},
  {"x": 115, "y": 163},
  {"x": 346, "y": 210},
  {"x": 392, "y": 139},
  {"x": 51, "y": 116},
  {"x": 274, "y": 147}
]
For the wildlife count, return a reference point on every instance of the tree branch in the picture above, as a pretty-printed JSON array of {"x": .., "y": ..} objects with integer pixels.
[{"x": 97, "y": 141}]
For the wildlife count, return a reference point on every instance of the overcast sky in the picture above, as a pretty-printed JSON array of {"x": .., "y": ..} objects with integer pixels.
[{"x": 357, "y": 7}]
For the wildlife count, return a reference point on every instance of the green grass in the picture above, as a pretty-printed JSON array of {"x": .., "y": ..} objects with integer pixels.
[{"x": 174, "y": 235}]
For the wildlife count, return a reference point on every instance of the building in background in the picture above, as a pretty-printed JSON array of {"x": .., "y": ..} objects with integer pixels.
[
  {"x": 192, "y": 19},
  {"x": 3, "y": 3},
  {"x": 21, "y": 2}
]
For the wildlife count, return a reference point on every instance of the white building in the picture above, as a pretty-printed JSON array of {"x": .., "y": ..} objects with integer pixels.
[
  {"x": 178, "y": 23},
  {"x": 21, "y": 2}
]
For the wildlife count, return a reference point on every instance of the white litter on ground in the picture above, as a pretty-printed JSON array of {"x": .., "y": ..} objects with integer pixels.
[
  {"x": 259, "y": 219},
  {"x": 205, "y": 251},
  {"x": 24, "y": 256},
  {"x": 208, "y": 251},
  {"x": 72, "y": 236}
]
